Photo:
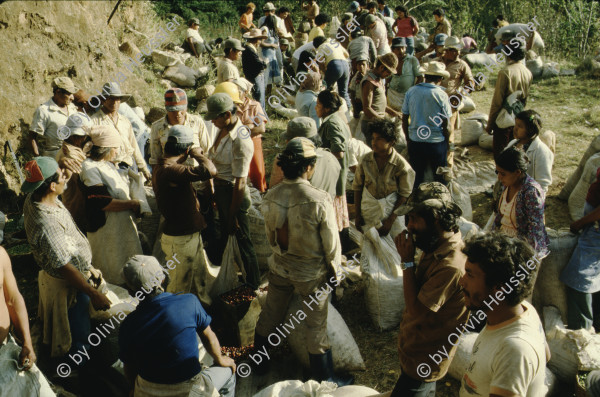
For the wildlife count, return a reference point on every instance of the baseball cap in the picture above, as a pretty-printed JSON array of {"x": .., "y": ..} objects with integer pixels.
[
  {"x": 143, "y": 271},
  {"x": 300, "y": 147},
  {"x": 36, "y": 172},
  {"x": 300, "y": 127},
  {"x": 217, "y": 104},
  {"x": 353, "y": 6},
  {"x": 233, "y": 43},
  {"x": 440, "y": 39},
  {"x": 181, "y": 133},
  {"x": 64, "y": 83},
  {"x": 427, "y": 195},
  {"x": 175, "y": 100}
]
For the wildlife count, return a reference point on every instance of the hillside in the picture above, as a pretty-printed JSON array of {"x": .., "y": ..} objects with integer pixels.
[{"x": 44, "y": 40}]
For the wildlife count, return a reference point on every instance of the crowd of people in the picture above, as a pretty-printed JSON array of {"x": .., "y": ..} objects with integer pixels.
[{"x": 358, "y": 95}]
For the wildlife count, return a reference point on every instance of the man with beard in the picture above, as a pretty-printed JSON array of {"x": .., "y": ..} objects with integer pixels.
[
  {"x": 510, "y": 354},
  {"x": 434, "y": 300}
]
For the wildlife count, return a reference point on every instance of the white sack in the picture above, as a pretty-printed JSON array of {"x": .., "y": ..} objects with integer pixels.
[
  {"x": 592, "y": 149},
  {"x": 571, "y": 351},
  {"x": 227, "y": 278},
  {"x": 548, "y": 289},
  {"x": 13, "y": 382},
  {"x": 535, "y": 66},
  {"x": 380, "y": 262},
  {"x": 480, "y": 59},
  {"x": 471, "y": 131},
  {"x": 588, "y": 176},
  {"x": 549, "y": 138},
  {"x": 486, "y": 141},
  {"x": 468, "y": 105},
  {"x": 460, "y": 362},
  {"x": 345, "y": 352},
  {"x": 258, "y": 236}
]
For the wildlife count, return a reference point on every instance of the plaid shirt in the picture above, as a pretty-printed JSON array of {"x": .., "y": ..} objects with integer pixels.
[{"x": 54, "y": 238}]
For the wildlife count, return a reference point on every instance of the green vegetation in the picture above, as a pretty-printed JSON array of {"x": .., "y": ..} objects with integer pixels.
[{"x": 570, "y": 28}]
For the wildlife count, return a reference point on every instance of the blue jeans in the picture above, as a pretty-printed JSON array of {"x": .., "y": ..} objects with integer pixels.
[
  {"x": 421, "y": 154},
  {"x": 409, "y": 387},
  {"x": 79, "y": 322},
  {"x": 258, "y": 91},
  {"x": 410, "y": 45},
  {"x": 222, "y": 378},
  {"x": 338, "y": 72}
]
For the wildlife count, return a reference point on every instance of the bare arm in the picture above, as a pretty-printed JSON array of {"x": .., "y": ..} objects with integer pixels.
[
  {"x": 17, "y": 310},
  {"x": 192, "y": 46},
  {"x": 367, "y": 100},
  {"x": 406, "y": 249},
  {"x": 33, "y": 143},
  {"x": 405, "y": 126},
  {"x": 586, "y": 220},
  {"x": 75, "y": 279},
  {"x": 211, "y": 343},
  {"x": 117, "y": 205}
]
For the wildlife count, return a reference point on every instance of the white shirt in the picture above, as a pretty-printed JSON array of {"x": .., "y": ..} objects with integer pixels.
[
  {"x": 510, "y": 356},
  {"x": 158, "y": 136},
  {"x": 47, "y": 119},
  {"x": 194, "y": 34},
  {"x": 104, "y": 173},
  {"x": 233, "y": 154},
  {"x": 305, "y": 47},
  {"x": 227, "y": 71},
  {"x": 541, "y": 159}
]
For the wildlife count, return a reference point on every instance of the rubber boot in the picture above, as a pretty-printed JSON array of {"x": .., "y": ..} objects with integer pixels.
[
  {"x": 321, "y": 368},
  {"x": 260, "y": 344}
]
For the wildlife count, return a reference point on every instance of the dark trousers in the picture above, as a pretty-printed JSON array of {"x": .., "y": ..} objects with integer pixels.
[
  {"x": 579, "y": 309},
  {"x": 258, "y": 90},
  {"x": 223, "y": 197},
  {"x": 421, "y": 154},
  {"x": 409, "y": 387},
  {"x": 79, "y": 322},
  {"x": 501, "y": 138}
]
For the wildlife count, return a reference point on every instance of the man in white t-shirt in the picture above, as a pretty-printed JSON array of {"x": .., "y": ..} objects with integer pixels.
[{"x": 510, "y": 354}]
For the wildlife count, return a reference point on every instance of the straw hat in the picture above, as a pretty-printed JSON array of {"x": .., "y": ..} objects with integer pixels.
[
  {"x": 254, "y": 34},
  {"x": 453, "y": 42},
  {"x": 435, "y": 68},
  {"x": 390, "y": 61}
]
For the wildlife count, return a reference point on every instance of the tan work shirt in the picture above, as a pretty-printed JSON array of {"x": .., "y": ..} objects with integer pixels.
[
  {"x": 129, "y": 150},
  {"x": 460, "y": 76},
  {"x": 227, "y": 71},
  {"x": 514, "y": 77},
  {"x": 420, "y": 335},
  {"x": 397, "y": 176},
  {"x": 314, "y": 242}
]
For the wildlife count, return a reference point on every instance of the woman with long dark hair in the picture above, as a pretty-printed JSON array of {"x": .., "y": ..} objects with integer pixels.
[{"x": 520, "y": 210}]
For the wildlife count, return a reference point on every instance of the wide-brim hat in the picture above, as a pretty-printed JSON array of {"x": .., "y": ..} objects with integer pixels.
[
  {"x": 453, "y": 42},
  {"x": 435, "y": 68},
  {"x": 113, "y": 89},
  {"x": 254, "y": 34},
  {"x": 390, "y": 61}
]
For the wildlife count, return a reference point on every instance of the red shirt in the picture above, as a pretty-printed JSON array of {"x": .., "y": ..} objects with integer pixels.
[{"x": 405, "y": 27}]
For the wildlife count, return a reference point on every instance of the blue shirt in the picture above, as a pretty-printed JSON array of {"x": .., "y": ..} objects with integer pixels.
[
  {"x": 306, "y": 105},
  {"x": 428, "y": 105},
  {"x": 159, "y": 338}
]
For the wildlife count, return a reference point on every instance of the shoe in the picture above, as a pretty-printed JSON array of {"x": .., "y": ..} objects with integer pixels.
[
  {"x": 321, "y": 369},
  {"x": 260, "y": 342}
]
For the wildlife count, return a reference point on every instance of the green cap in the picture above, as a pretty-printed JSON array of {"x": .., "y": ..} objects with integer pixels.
[
  {"x": 37, "y": 171},
  {"x": 300, "y": 127},
  {"x": 233, "y": 43},
  {"x": 217, "y": 104},
  {"x": 427, "y": 195}
]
